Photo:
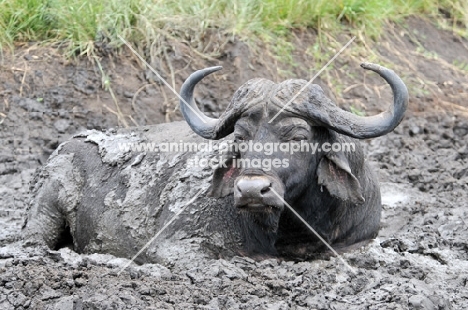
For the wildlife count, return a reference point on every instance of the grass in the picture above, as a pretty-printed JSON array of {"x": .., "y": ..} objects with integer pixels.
[{"x": 80, "y": 25}]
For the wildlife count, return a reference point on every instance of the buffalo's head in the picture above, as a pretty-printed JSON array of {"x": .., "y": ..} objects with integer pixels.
[{"x": 310, "y": 117}]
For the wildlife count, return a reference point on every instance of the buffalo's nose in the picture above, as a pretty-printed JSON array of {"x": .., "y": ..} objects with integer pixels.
[{"x": 253, "y": 187}]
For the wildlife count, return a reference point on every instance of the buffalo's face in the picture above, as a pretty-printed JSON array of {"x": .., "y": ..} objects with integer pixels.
[
  {"x": 267, "y": 168},
  {"x": 266, "y": 165}
]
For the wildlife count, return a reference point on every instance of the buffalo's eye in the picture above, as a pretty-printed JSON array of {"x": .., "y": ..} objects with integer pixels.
[
  {"x": 239, "y": 138},
  {"x": 299, "y": 138}
]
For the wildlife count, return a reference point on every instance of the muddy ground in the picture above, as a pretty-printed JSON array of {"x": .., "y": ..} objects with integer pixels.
[{"x": 418, "y": 261}]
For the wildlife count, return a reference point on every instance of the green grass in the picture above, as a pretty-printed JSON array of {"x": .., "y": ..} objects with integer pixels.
[{"x": 78, "y": 25}]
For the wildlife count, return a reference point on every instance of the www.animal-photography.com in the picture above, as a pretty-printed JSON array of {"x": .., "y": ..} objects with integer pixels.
[{"x": 234, "y": 154}]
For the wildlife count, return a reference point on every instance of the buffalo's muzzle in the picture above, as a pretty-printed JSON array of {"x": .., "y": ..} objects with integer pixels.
[{"x": 255, "y": 193}]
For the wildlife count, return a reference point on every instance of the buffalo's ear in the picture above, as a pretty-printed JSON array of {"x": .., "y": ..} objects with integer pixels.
[
  {"x": 223, "y": 179},
  {"x": 334, "y": 173}
]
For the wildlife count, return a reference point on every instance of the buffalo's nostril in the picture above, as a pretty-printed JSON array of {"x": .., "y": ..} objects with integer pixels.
[{"x": 265, "y": 189}]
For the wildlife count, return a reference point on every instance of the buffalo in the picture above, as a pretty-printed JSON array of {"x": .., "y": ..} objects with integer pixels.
[{"x": 97, "y": 194}]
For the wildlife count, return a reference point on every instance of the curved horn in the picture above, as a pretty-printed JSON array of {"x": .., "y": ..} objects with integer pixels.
[
  {"x": 200, "y": 123},
  {"x": 358, "y": 126},
  {"x": 248, "y": 95}
]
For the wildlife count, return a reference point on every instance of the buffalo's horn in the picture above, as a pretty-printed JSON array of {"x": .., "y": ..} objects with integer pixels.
[
  {"x": 361, "y": 127},
  {"x": 200, "y": 123},
  {"x": 248, "y": 95}
]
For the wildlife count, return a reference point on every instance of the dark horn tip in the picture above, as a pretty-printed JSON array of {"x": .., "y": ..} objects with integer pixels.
[
  {"x": 215, "y": 68},
  {"x": 207, "y": 71},
  {"x": 371, "y": 66}
]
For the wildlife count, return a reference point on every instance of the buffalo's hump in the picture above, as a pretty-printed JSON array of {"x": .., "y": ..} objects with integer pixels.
[{"x": 115, "y": 201}]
